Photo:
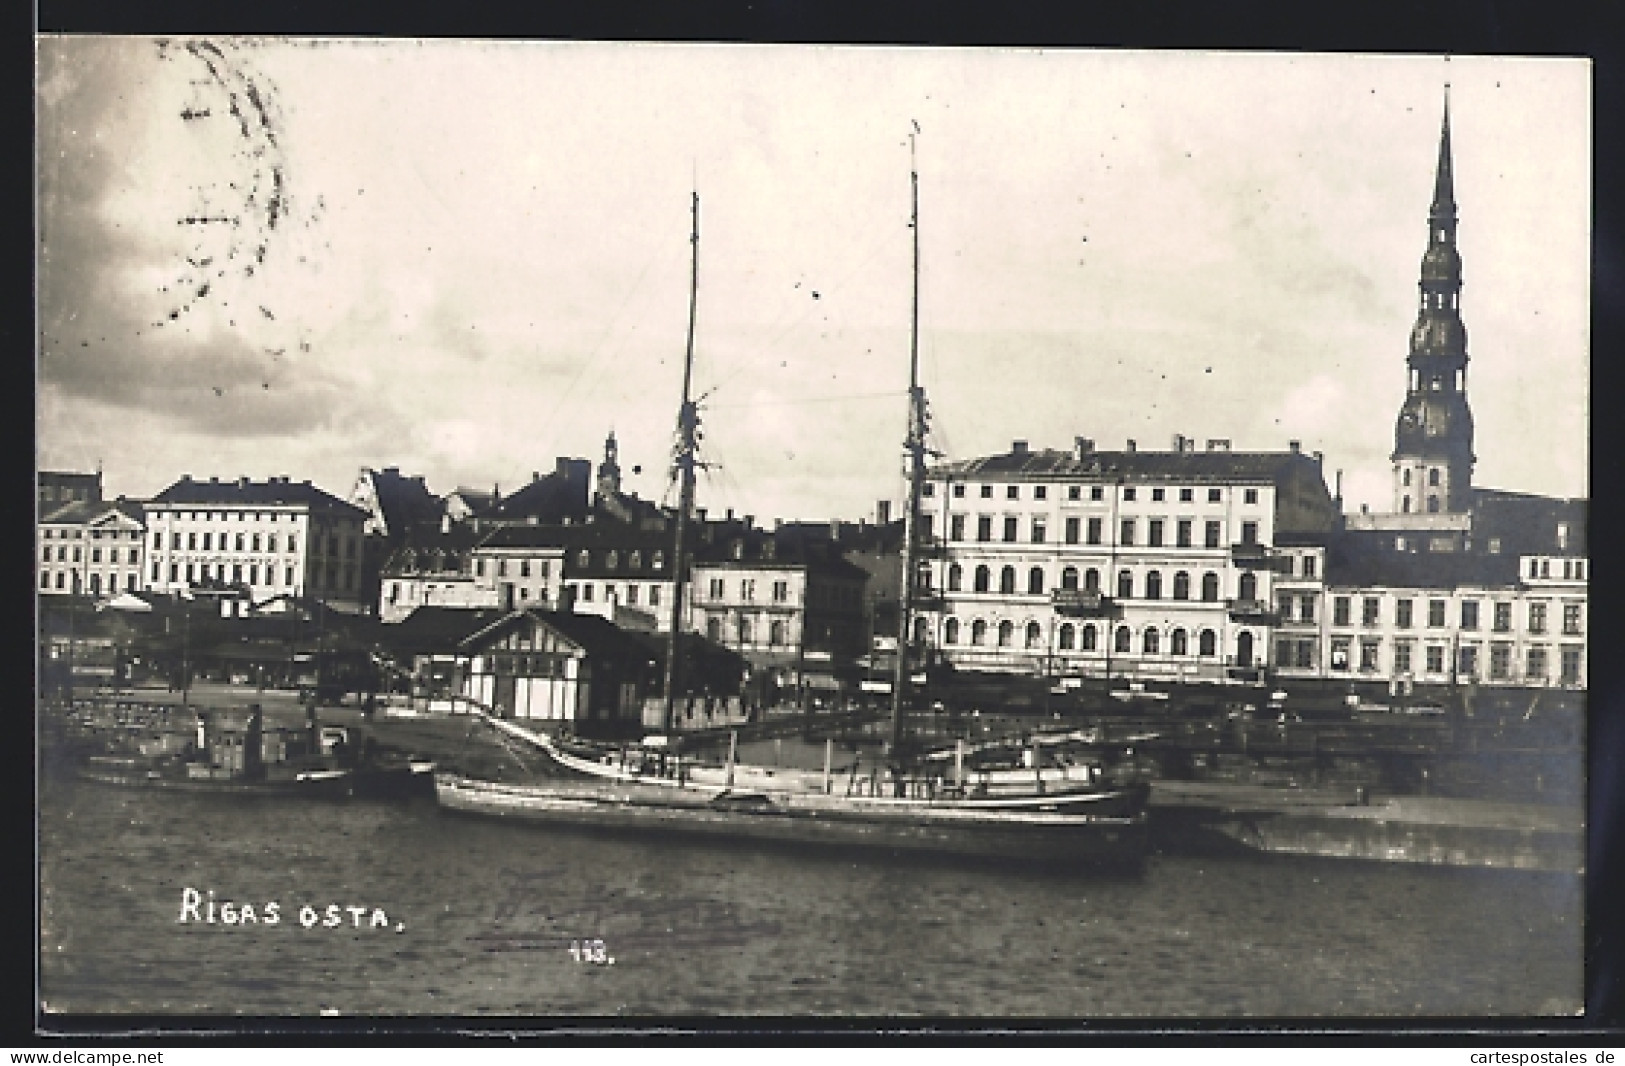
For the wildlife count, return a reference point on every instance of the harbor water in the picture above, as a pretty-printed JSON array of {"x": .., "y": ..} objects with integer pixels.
[{"x": 419, "y": 912}]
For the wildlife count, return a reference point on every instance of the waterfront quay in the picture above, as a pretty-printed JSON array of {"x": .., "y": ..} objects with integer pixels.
[{"x": 1503, "y": 788}]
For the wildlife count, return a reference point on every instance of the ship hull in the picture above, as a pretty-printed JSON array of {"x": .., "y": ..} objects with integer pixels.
[
  {"x": 318, "y": 784},
  {"x": 1057, "y": 836}
]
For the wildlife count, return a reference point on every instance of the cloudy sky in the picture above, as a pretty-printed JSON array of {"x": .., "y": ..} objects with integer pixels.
[{"x": 467, "y": 258}]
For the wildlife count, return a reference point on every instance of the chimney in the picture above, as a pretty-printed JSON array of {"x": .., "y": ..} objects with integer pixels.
[
  {"x": 778, "y": 523},
  {"x": 1365, "y": 508},
  {"x": 1218, "y": 444},
  {"x": 242, "y": 482},
  {"x": 213, "y": 480},
  {"x": 536, "y": 475},
  {"x": 1319, "y": 457},
  {"x": 1084, "y": 445},
  {"x": 750, "y": 521},
  {"x": 834, "y": 529},
  {"x": 1018, "y": 447},
  {"x": 882, "y": 512},
  {"x": 1179, "y": 442},
  {"x": 1338, "y": 491},
  {"x": 392, "y": 471},
  {"x": 730, "y": 512},
  {"x": 1293, "y": 446},
  {"x": 699, "y": 513},
  {"x": 1132, "y": 446}
]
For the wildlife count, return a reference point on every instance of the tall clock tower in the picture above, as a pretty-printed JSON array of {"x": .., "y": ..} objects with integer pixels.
[{"x": 1433, "y": 438}]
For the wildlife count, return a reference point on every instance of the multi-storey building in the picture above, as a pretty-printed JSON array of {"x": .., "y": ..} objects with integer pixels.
[
  {"x": 272, "y": 538},
  {"x": 792, "y": 607},
  {"x": 92, "y": 548},
  {"x": 432, "y": 570},
  {"x": 1389, "y": 611},
  {"x": 1113, "y": 564}
]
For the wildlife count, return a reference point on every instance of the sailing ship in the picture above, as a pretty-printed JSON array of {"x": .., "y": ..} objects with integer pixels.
[{"x": 1052, "y": 802}]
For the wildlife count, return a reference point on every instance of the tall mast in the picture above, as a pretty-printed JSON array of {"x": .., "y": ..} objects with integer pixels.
[
  {"x": 688, "y": 422},
  {"x": 915, "y": 446}
]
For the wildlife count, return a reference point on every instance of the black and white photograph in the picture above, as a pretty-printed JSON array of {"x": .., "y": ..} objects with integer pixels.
[{"x": 540, "y": 530}]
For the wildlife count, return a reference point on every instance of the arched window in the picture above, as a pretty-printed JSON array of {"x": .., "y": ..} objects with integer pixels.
[
  {"x": 1124, "y": 639},
  {"x": 1433, "y": 505},
  {"x": 1178, "y": 643},
  {"x": 1069, "y": 578},
  {"x": 921, "y": 631},
  {"x": 1035, "y": 634},
  {"x": 1125, "y": 585},
  {"x": 1007, "y": 633},
  {"x": 1090, "y": 638},
  {"x": 956, "y": 577},
  {"x": 1007, "y": 579},
  {"x": 978, "y": 632},
  {"x": 1244, "y": 649},
  {"x": 1035, "y": 581},
  {"x": 1091, "y": 580},
  {"x": 950, "y": 631},
  {"x": 1153, "y": 585},
  {"x": 1151, "y": 641},
  {"x": 1067, "y": 635},
  {"x": 775, "y": 633},
  {"x": 1210, "y": 587},
  {"x": 1182, "y": 586},
  {"x": 1207, "y": 643},
  {"x": 713, "y": 630},
  {"x": 983, "y": 575},
  {"x": 1249, "y": 587}
]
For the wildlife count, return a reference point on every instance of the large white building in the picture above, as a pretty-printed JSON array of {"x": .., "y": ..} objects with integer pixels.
[
  {"x": 1129, "y": 563},
  {"x": 91, "y": 548},
  {"x": 272, "y": 538}
]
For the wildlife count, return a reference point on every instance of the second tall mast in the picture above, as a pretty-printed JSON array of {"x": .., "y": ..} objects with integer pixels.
[{"x": 688, "y": 422}]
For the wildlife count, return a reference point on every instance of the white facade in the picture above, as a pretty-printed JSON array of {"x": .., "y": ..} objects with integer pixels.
[
  {"x": 270, "y": 541},
  {"x": 1076, "y": 576},
  {"x": 92, "y": 549}
]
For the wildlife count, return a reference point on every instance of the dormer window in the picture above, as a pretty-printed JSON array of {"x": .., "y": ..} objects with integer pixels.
[{"x": 584, "y": 559}]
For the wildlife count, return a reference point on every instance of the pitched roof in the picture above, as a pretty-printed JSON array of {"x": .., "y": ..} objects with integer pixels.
[
  {"x": 1526, "y": 524},
  {"x": 436, "y": 629},
  {"x": 404, "y": 503},
  {"x": 561, "y": 494},
  {"x": 1368, "y": 559},
  {"x": 246, "y": 493},
  {"x": 1216, "y": 465},
  {"x": 81, "y": 512}
]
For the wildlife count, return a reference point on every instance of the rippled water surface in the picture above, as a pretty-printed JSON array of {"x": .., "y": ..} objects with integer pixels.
[{"x": 481, "y": 916}]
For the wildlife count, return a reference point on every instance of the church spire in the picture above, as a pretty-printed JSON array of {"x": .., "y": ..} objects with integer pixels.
[
  {"x": 1433, "y": 437},
  {"x": 1444, "y": 191}
]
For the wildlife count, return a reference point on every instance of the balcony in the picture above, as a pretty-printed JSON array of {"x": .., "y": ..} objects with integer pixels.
[
  {"x": 1259, "y": 557},
  {"x": 1253, "y": 612},
  {"x": 1084, "y": 603}
]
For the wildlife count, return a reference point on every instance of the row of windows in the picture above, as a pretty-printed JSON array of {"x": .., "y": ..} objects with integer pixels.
[
  {"x": 1573, "y": 569},
  {"x": 1086, "y": 637},
  {"x": 1501, "y": 614},
  {"x": 59, "y": 581},
  {"x": 543, "y": 567},
  {"x": 227, "y": 516},
  {"x": 1152, "y": 587},
  {"x": 1092, "y": 531},
  {"x": 744, "y": 631},
  {"x": 585, "y": 590},
  {"x": 242, "y": 542},
  {"x": 51, "y": 533},
  {"x": 1537, "y": 660},
  {"x": 1159, "y": 494},
  {"x": 134, "y": 554},
  {"x": 716, "y": 589},
  {"x": 238, "y": 573}
]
